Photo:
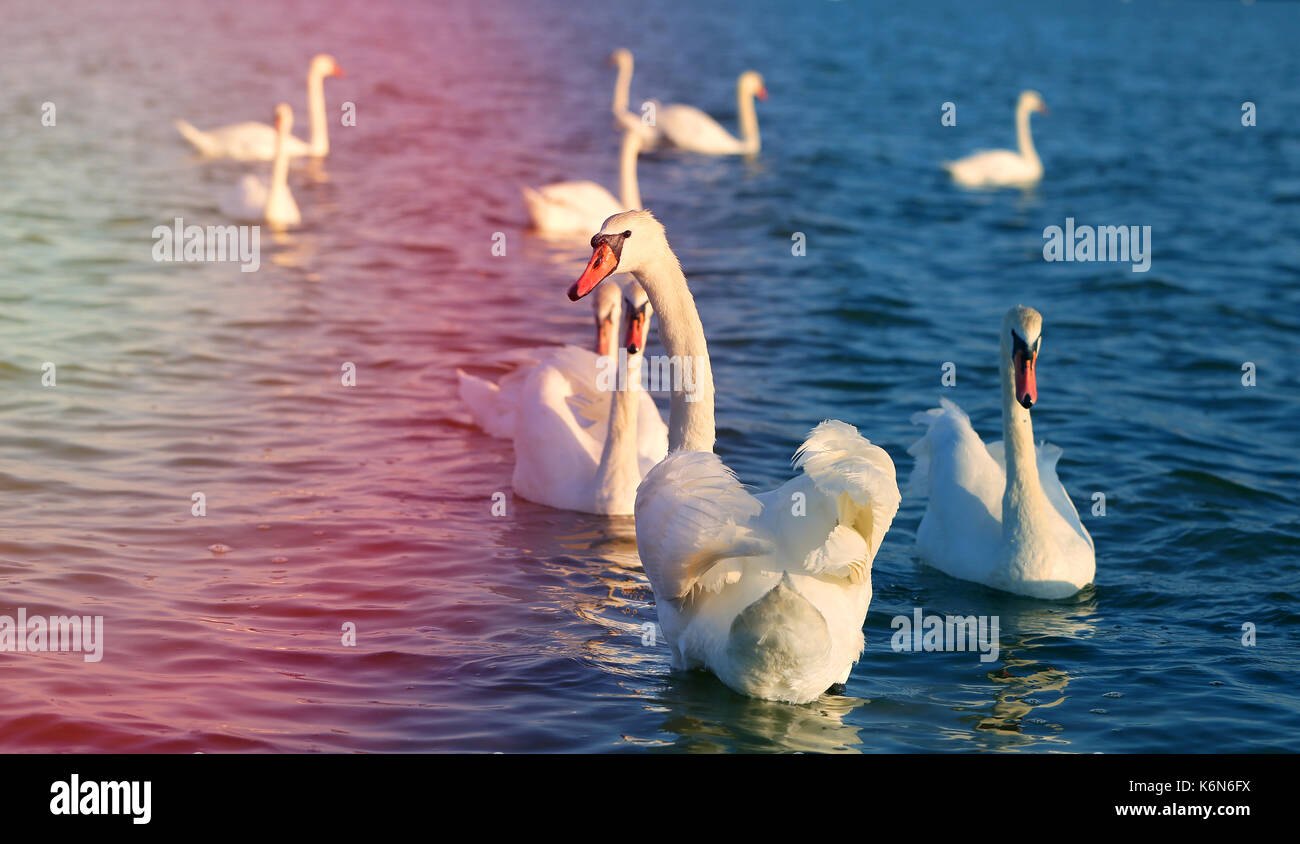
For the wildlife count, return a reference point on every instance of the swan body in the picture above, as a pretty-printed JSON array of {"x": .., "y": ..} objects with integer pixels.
[
  {"x": 688, "y": 128},
  {"x": 573, "y": 208},
  {"x": 270, "y": 202},
  {"x": 496, "y": 408},
  {"x": 561, "y": 463},
  {"x": 998, "y": 515},
  {"x": 1003, "y": 167},
  {"x": 625, "y": 120},
  {"x": 770, "y": 591},
  {"x": 252, "y": 141}
]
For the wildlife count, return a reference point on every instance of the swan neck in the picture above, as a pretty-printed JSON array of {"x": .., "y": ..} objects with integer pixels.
[
  {"x": 1023, "y": 497},
  {"x": 748, "y": 120},
  {"x": 622, "y": 88},
  {"x": 320, "y": 142},
  {"x": 619, "y": 468},
  {"x": 279, "y": 169},
  {"x": 628, "y": 186},
  {"x": 691, "y": 419},
  {"x": 1023, "y": 136}
]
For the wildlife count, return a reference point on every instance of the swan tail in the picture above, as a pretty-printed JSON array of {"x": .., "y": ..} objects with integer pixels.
[
  {"x": 860, "y": 476},
  {"x": 481, "y": 397},
  {"x": 194, "y": 136},
  {"x": 772, "y": 643},
  {"x": 691, "y": 515}
]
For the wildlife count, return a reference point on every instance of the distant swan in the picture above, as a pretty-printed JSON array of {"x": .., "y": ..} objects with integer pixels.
[
  {"x": 256, "y": 141},
  {"x": 497, "y": 407},
  {"x": 561, "y": 463},
  {"x": 768, "y": 592},
  {"x": 1002, "y": 167},
  {"x": 268, "y": 202},
  {"x": 686, "y": 127},
  {"x": 624, "y": 119},
  {"x": 571, "y": 208},
  {"x": 999, "y": 515}
]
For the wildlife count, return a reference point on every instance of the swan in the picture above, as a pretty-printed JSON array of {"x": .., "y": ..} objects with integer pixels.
[
  {"x": 562, "y": 464},
  {"x": 255, "y": 200},
  {"x": 567, "y": 208},
  {"x": 256, "y": 141},
  {"x": 770, "y": 591},
  {"x": 624, "y": 119},
  {"x": 686, "y": 127},
  {"x": 495, "y": 407},
  {"x": 1002, "y": 167},
  {"x": 998, "y": 515}
]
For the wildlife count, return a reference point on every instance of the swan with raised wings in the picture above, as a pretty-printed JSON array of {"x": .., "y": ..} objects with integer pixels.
[
  {"x": 575, "y": 208},
  {"x": 770, "y": 591},
  {"x": 624, "y": 119},
  {"x": 998, "y": 515},
  {"x": 561, "y": 463},
  {"x": 254, "y": 141},
  {"x": 996, "y": 168},
  {"x": 688, "y": 128},
  {"x": 496, "y": 407},
  {"x": 268, "y": 202}
]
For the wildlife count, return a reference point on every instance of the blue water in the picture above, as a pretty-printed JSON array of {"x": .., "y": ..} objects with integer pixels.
[{"x": 523, "y": 633}]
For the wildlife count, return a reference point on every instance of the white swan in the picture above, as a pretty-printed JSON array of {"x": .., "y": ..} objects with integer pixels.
[
  {"x": 624, "y": 119},
  {"x": 999, "y": 515},
  {"x": 271, "y": 203},
  {"x": 561, "y": 463},
  {"x": 571, "y": 208},
  {"x": 1002, "y": 167},
  {"x": 768, "y": 592},
  {"x": 256, "y": 141},
  {"x": 496, "y": 407},
  {"x": 686, "y": 127}
]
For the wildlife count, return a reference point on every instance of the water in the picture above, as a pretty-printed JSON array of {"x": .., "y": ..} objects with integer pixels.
[{"x": 371, "y": 504}]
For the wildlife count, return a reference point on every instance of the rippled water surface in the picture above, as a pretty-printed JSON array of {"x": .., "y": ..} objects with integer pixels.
[{"x": 371, "y": 504}]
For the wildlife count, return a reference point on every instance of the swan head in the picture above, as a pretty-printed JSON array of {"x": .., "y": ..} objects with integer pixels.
[
  {"x": 621, "y": 58},
  {"x": 323, "y": 65},
  {"x": 1031, "y": 101},
  {"x": 605, "y": 306},
  {"x": 751, "y": 84},
  {"x": 1022, "y": 337},
  {"x": 637, "y": 311},
  {"x": 628, "y": 243},
  {"x": 282, "y": 118}
]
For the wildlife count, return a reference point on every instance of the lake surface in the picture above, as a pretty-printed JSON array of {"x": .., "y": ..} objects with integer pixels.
[{"x": 371, "y": 505}]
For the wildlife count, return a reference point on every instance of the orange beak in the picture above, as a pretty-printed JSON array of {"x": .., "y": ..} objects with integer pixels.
[
  {"x": 761, "y": 93},
  {"x": 637, "y": 328},
  {"x": 604, "y": 336},
  {"x": 602, "y": 263},
  {"x": 1026, "y": 383},
  {"x": 337, "y": 71}
]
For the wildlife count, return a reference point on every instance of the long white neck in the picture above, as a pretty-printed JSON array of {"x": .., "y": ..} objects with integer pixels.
[
  {"x": 622, "y": 86},
  {"x": 320, "y": 142},
  {"x": 748, "y": 120},
  {"x": 1023, "y": 501},
  {"x": 628, "y": 187},
  {"x": 1023, "y": 138},
  {"x": 690, "y": 419},
  {"x": 279, "y": 171},
  {"x": 619, "y": 468}
]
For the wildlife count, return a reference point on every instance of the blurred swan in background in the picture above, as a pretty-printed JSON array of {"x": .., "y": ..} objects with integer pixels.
[
  {"x": 272, "y": 203},
  {"x": 496, "y": 408},
  {"x": 254, "y": 141},
  {"x": 575, "y": 208},
  {"x": 561, "y": 463},
  {"x": 686, "y": 127},
  {"x": 624, "y": 119},
  {"x": 768, "y": 592},
  {"x": 1002, "y": 167},
  {"x": 998, "y": 515}
]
